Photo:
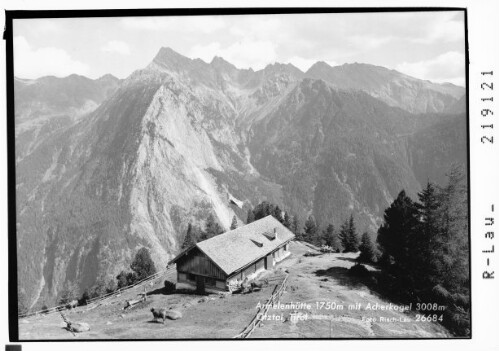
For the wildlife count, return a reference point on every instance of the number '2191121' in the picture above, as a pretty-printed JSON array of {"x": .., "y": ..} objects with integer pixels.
[{"x": 486, "y": 112}]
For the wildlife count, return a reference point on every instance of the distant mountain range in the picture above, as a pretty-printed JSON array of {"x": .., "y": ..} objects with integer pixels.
[{"x": 106, "y": 166}]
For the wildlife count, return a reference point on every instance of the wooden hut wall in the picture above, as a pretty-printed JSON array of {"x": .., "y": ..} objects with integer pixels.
[{"x": 196, "y": 262}]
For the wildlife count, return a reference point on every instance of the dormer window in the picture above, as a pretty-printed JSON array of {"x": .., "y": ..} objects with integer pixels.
[
  {"x": 257, "y": 243},
  {"x": 271, "y": 235}
]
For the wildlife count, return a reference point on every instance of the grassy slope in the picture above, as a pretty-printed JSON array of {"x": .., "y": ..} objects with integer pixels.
[{"x": 317, "y": 278}]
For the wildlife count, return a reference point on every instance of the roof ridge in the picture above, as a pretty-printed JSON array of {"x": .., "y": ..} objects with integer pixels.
[{"x": 236, "y": 248}]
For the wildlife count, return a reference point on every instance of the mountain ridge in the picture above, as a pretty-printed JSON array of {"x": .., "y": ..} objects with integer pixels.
[{"x": 172, "y": 143}]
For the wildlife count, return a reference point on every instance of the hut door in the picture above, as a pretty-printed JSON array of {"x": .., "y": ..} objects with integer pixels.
[{"x": 200, "y": 284}]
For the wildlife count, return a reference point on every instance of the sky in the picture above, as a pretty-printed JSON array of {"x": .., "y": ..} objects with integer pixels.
[{"x": 425, "y": 45}]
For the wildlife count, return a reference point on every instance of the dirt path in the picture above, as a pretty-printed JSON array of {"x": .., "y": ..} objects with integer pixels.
[
  {"x": 324, "y": 279},
  {"x": 312, "y": 280}
]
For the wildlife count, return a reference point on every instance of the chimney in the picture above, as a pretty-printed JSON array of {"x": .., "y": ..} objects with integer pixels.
[{"x": 275, "y": 233}]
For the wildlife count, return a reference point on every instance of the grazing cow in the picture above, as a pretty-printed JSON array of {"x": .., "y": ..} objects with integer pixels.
[{"x": 158, "y": 313}]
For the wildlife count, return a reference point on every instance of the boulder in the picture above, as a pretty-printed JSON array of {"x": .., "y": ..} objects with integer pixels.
[
  {"x": 173, "y": 314},
  {"x": 78, "y": 327}
]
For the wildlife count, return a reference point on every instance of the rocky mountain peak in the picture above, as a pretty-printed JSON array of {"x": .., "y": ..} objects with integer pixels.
[
  {"x": 220, "y": 63},
  {"x": 168, "y": 57},
  {"x": 108, "y": 78},
  {"x": 319, "y": 65},
  {"x": 283, "y": 68}
]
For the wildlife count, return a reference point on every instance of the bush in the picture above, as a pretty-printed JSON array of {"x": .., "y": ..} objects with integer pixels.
[
  {"x": 125, "y": 279},
  {"x": 69, "y": 293},
  {"x": 98, "y": 289},
  {"x": 84, "y": 298},
  {"x": 111, "y": 286},
  {"x": 143, "y": 265}
]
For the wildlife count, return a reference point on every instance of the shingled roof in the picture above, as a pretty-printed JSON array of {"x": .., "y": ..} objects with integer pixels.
[{"x": 237, "y": 248}]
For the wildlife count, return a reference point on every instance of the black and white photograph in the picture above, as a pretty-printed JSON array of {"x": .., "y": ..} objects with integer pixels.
[{"x": 277, "y": 175}]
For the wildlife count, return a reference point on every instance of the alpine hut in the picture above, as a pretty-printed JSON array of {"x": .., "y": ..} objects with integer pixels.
[{"x": 214, "y": 264}]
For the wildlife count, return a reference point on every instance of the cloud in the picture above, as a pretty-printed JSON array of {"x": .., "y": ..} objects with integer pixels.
[
  {"x": 35, "y": 63},
  {"x": 447, "y": 67},
  {"x": 204, "y": 24},
  {"x": 243, "y": 54},
  {"x": 369, "y": 42},
  {"x": 447, "y": 28},
  {"x": 116, "y": 46}
]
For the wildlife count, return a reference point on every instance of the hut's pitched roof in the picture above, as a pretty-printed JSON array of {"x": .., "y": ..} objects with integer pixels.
[{"x": 237, "y": 248}]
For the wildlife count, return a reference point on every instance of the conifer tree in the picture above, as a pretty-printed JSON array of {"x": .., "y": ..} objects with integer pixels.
[
  {"x": 368, "y": 251},
  {"x": 189, "y": 239},
  {"x": 454, "y": 231},
  {"x": 212, "y": 227},
  {"x": 143, "y": 265},
  {"x": 233, "y": 225},
  {"x": 425, "y": 248},
  {"x": 348, "y": 235},
  {"x": 121, "y": 279},
  {"x": 277, "y": 213},
  {"x": 295, "y": 228},
  {"x": 336, "y": 243},
  {"x": 394, "y": 235},
  {"x": 327, "y": 234},
  {"x": 263, "y": 209},
  {"x": 251, "y": 217},
  {"x": 310, "y": 230},
  {"x": 287, "y": 221},
  {"x": 425, "y": 261},
  {"x": 332, "y": 239}
]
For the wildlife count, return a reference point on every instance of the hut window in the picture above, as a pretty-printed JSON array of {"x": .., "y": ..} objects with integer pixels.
[
  {"x": 259, "y": 264},
  {"x": 191, "y": 277}
]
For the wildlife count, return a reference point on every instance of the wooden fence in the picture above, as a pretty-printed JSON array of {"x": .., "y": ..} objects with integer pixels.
[
  {"x": 257, "y": 320},
  {"x": 167, "y": 274}
]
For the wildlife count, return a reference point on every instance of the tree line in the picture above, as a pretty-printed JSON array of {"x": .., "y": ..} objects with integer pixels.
[
  {"x": 195, "y": 234},
  {"x": 424, "y": 248},
  {"x": 346, "y": 239}
]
